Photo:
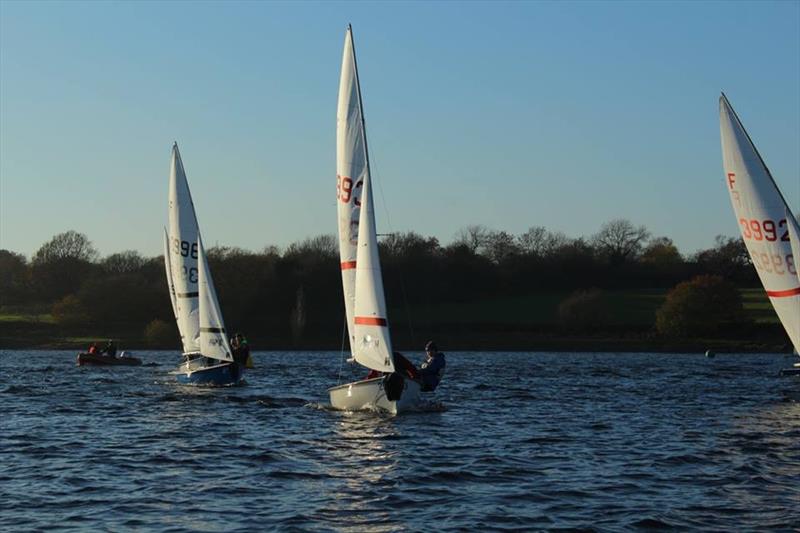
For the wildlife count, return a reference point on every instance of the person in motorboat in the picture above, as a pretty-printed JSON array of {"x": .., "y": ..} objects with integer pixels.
[
  {"x": 432, "y": 370},
  {"x": 92, "y": 349},
  {"x": 110, "y": 349}
]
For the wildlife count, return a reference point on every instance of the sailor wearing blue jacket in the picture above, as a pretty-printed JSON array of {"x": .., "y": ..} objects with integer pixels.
[{"x": 432, "y": 370}]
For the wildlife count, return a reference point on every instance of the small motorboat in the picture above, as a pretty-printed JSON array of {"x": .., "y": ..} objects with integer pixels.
[{"x": 107, "y": 360}]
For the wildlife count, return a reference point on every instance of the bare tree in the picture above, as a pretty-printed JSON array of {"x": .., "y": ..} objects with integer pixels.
[
  {"x": 473, "y": 237},
  {"x": 500, "y": 246},
  {"x": 61, "y": 265},
  {"x": 541, "y": 242},
  {"x": 620, "y": 240},
  {"x": 67, "y": 245},
  {"x": 319, "y": 246},
  {"x": 409, "y": 244},
  {"x": 125, "y": 262},
  {"x": 728, "y": 258}
]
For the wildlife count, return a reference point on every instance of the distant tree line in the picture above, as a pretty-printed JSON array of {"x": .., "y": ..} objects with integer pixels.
[{"x": 296, "y": 291}]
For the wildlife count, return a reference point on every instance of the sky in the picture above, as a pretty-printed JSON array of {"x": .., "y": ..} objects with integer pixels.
[{"x": 510, "y": 115}]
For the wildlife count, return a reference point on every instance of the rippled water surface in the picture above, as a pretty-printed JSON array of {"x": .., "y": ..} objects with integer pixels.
[{"x": 509, "y": 441}]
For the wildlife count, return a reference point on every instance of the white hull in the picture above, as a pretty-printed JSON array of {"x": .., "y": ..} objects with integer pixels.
[{"x": 370, "y": 394}]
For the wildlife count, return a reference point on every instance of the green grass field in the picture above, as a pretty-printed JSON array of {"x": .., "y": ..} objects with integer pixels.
[{"x": 625, "y": 307}]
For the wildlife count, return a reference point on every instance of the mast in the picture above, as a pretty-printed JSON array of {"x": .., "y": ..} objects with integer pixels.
[{"x": 360, "y": 101}]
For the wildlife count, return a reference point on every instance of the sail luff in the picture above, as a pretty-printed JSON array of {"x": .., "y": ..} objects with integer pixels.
[
  {"x": 213, "y": 337},
  {"x": 170, "y": 283},
  {"x": 741, "y": 127},
  {"x": 764, "y": 219}
]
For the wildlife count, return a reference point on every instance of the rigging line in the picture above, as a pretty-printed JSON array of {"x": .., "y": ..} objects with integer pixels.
[
  {"x": 400, "y": 270},
  {"x": 341, "y": 353}
]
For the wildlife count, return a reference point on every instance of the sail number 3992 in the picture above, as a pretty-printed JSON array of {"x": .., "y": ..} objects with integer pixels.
[
  {"x": 764, "y": 230},
  {"x": 345, "y": 189}
]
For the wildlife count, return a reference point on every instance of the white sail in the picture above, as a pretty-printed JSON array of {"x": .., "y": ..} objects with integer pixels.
[
  {"x": 794, "y": 239},
  {"x": 761, "y": 212},
  {"x": 373, "y": 344},
  {"x": 352, "y": 168},
  {"x": 213, "y": 339},
  {"x": 168, "y": 268},
  {"x": 183, "y": 234}
]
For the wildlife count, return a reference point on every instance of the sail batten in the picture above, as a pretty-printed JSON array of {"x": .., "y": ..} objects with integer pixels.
[{"x": 764, "y": 218}]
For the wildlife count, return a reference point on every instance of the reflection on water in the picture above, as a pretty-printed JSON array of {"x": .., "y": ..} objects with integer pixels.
[{"x": 510, "y": 441}]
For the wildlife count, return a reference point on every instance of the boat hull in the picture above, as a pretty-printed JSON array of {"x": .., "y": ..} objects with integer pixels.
[
  {"x": 370, "y": 394},
  {"x": 106, "y": 360},
  {"x": 222, "y": 375}
]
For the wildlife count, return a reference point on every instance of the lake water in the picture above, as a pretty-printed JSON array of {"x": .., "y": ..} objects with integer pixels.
[{"x": 510, "y": 441}]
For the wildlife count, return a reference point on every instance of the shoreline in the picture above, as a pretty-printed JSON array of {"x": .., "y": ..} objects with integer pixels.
[{"x": 574, "y": 345}]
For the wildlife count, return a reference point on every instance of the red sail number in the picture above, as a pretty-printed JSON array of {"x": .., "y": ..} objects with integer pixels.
[
  {"x": 345, "y": 189},
  {"x": 760, "y": 230}
]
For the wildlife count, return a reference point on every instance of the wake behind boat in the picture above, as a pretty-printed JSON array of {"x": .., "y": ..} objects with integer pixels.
[
  {"x": 97, "y": 359},
  {"x": 362, "y": 282},
  {"x": 208, "y": 358}
]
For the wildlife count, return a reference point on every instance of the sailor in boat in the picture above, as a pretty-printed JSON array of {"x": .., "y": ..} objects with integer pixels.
[
  {"x": 240, "y": 350},
  {"x": 92, "y": 349},
  {"x": 432, "y": 370}
]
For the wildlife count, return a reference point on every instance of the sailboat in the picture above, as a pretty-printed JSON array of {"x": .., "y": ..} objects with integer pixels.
[
  {"x": 769, "y": 230},
  {"x": 362, "y": 282},
  {"x": 207, "y": 354}
]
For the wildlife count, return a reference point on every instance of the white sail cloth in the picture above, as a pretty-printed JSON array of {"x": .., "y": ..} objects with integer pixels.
[
  {"x": 170, "y": 283},
  {"x": 762, "y": 212},
  {"x": 213, "y": 338},
  {"x": 362, "y": 283},
  {"x": 183, "y": 235},
  {"x": 351, "y": 170}
]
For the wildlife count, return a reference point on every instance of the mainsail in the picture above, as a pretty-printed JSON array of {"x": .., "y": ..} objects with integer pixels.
[
  {"x": 213, "y": 339},
  {"x": 352, "y": 169},
  {"x": 183, "y": 235},
  {"x": 762, "y": 213}
]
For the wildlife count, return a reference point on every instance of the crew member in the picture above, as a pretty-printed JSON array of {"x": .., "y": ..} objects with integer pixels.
[{"x": 432, "y": 370}]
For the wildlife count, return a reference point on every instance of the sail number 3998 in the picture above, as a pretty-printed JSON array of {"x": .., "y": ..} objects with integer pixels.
[{"x": 184, "y": 248}]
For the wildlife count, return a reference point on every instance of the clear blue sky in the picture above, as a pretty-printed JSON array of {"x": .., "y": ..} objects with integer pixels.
[{"x": 510, "y": 115}]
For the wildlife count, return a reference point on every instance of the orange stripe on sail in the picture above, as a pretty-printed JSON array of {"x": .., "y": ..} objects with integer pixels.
[
  {"x": 370, "y": 321},
  {"x": 347, "y": 265},
  {"x": 784, "y": 294}
]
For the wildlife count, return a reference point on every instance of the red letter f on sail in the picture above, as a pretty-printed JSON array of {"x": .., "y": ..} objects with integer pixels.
[{"x": 731, "y": 179}]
